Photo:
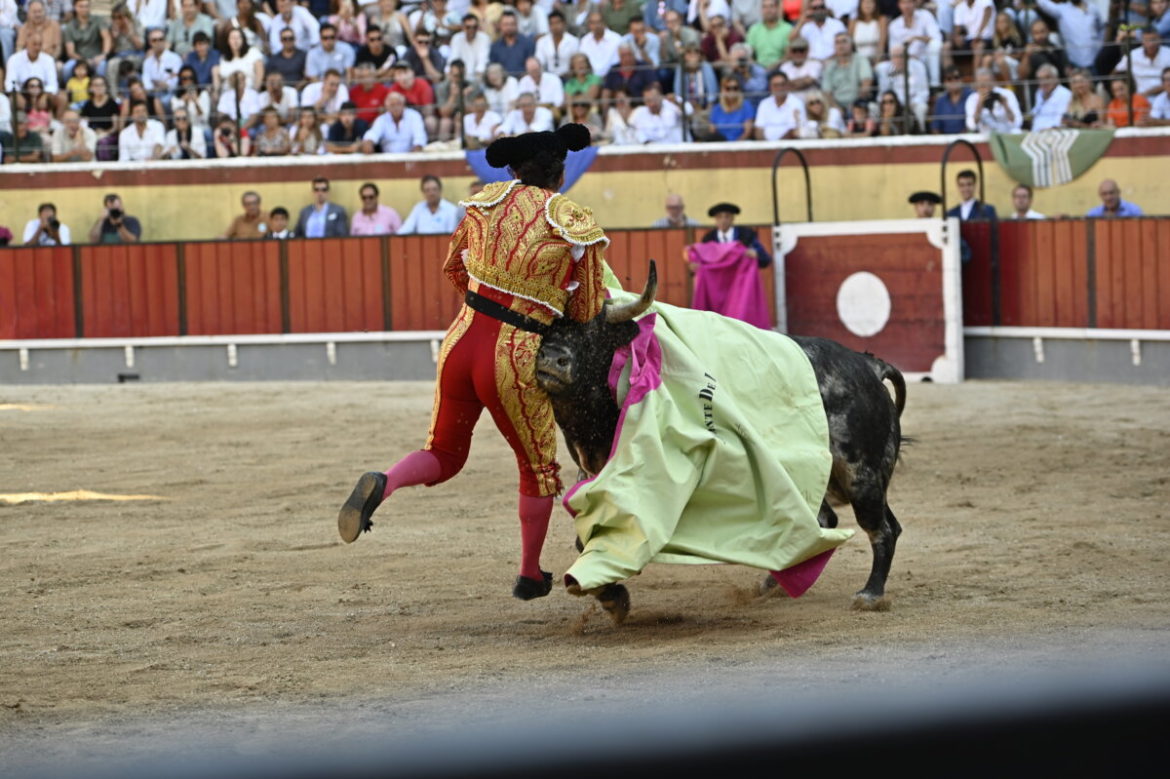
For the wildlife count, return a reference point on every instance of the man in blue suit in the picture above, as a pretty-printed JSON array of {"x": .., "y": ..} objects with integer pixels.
[
  {"x": 322, "y": 219},
  {"x": 725, "y": 232},
  {"x": 970, "y": 208}
]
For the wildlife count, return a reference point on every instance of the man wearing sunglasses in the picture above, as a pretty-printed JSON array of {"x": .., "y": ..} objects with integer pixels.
[
  {"x": 160, "y": 68},
  {"x": 327, "y": 55},
  {"x": 290, "y": 16},
  {"x": 321, "y": 218},
  {"x": 473, "y": 46},
  {"x": 376, "y": 54},
  {"x": 288, "y": 60}
]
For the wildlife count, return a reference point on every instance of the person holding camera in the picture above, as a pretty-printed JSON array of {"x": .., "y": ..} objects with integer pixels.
[
  {"x": 115, "y": 225},
  {"x": 45, "y": 230},
  {"x": 992, "y": 109}
]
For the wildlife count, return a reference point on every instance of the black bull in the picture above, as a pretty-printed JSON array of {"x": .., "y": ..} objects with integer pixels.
[{"x": 865, "y": 435}]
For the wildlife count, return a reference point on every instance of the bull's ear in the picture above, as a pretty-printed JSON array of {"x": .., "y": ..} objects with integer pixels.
[{"x": 624, "y": 313}]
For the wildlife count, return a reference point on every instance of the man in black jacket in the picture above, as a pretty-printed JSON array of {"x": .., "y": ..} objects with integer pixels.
[{"x": 725, "y": 232}]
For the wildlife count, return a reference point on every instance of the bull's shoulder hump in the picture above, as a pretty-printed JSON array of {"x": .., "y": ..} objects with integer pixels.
[
  {"x": 573, "y": 222},
  {"x": 492, "y": 194}
]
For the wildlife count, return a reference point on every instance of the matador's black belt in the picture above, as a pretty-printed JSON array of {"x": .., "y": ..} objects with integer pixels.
[{"x": 506, "y": 315}]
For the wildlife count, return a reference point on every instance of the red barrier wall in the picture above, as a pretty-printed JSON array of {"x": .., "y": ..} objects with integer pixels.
[
  {"x": 421, "y": 297},
  {"x": 1133, "y": 273},
  {"x": 232, "y": 287},
  {"x": 335, "y": 285},
  {"x": 130, "y": 290},
  {"x": 36, "y": 293}
]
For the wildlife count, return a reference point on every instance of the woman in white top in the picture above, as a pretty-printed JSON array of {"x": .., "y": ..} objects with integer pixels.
[
  {"x": 868, "y": 30},
  {"x": 238, "y": 101},
  {"x": 184, "y": 141},
  {"x": 617, "y": 120},
  {"x": 821, "y": 119},
  {"x": 191, "y": 97},
  {"x": 500, "y": 89},
  {"x": 238, "y": 57}
]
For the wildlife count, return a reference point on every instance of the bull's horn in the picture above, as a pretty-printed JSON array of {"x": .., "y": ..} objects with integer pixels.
[{"x": 628, "y": 311}]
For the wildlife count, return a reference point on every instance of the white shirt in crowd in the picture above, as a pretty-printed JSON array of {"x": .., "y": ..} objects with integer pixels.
[
  {"x": 151, "y": 13},
  {"x": 474, "y": 53},
  {"x": 389, "y": 136},
  {"x": 20, "y": 70},
  {"x": 249, "y": 104},
  {"x": 662, "y": 127},
  {"x": 422, "y": 221},
  {"x": 550, "y": 90},
  {"x": 1030, "y": 215},
  {"x": 515, "y": 124},
  {"x": 820, "y": 38},
  {"x": 776, "y": 121},
  {"x": 1160, "y": 107},
  {"x": 995, "y": 119},
  {"x": 303, "y": 24},
  {"x": 971, "y": 17},
  {"x": 30, "y": 229},
  {"x": 132, "y": 146},
  {"x": 1048, "y": 111},
  {"x": 602, "y": 54},
  {"x": 554, "y": 57},
  {"x": 1147, "y": 71},
  {"x": 164, "y": 68},
  {"x": 172, "y": 149},
  {"x": 896, "y": 82},
  {"x": 484, "y": 129},
  {"x": 312, "y": 93},
  {"x": 923, "y": 24}
]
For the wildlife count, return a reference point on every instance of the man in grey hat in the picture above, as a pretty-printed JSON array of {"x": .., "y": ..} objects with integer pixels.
[{"x": 725, "y": 232}]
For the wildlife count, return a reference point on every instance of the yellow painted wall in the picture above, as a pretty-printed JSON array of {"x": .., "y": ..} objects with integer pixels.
[{"x": 619, "y": 199}]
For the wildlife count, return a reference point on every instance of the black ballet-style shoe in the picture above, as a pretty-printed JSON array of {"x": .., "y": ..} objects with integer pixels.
[
  {"x": 527, "y": 589},
  {"x": 354, "y": 518}
]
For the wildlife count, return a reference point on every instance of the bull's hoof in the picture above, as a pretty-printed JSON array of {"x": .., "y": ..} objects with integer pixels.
[
  {"x": 354, "y": 518},
  {"x": 527, "y": 589},
  {"x": 864, "y": 601},
  {"x": 615, "y": 599}
]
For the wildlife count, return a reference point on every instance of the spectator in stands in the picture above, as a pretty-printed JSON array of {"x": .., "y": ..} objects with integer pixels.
[
  {"x": 38, "y": 22},
  {"x": 769, "y": 36},
  {"x": 974, "y": 24},
  {"x": 628, "y": 74},
  {"x": 433, "y": 214},
  {"x": 781, "y": 114},
  {"x": 924, "y": 203},
  {"x": 1160, "y": 18},
  {"x": 251, "y": 224},
  {"x": 726, "y": 232},
  {"x": 127, "y": 42},
  {"x": 239, "y": 57},
  {"x": 618, "y": 14},
  {"x": 115, "y": 225},
  {"x": 970, "y": 208},
  {"x": 1006, "y": 49},
  {"x": 732, "y": 118},
  {"x": 160, "y": 68},
  {"x": 248, "y": 21},
  {"x": 1040, "y": 50},
  {"x": 273, "y": 139},
  {"x": 916, "y": 30},
  {"x": 1086, "y": 109},
  {"x": 1022, "y": 203},
  {"x": 547, "y": 87},
  {"x": 368, "y": 94},
  {"x": 453, "y": 96},
  {"x": 282, "y": 98},
  {"x": 376, "y": 54},
  {"x": 288, "y": 60},
  {"x": 804, "y": 72},
  {"x": 1117, "y": 113},
  {"x": 71, "y": 141},
  {"x": 37, "y": 107},
  {"x": 86, "y": 38},
  {"x": 184, "y": 141},
  {"x": 238, "y": 100},
  {"x": 346, "y": 134},
  {"x": 76, "y": 89},
  {"x": 203, "y": 59},
  {"x": 657, "y": 120},
  {"x": 654, "y": 12},
  {"x": 488, "y": 12},
  {"x": 419, "y": 94},
  {"x": 676, "y": 214},
  {"x": 393, "y": 23},
  {"x": 326, "y": 96},
  {"x": 950, "y": 107},
  {"x": 31, "y": 62},
  {"x": 1160, "y": 108},
  {"x": 349, "y": 24},
  {"x": 399, "y": 129},
  {"x": 9, "y": 22},
  {"x": 1112, "y": 206},
  {"x": 424, "y": 58},
  {"x": 869, "y": 30},
  {"x": 582, "y": 81},
  {"x": 229, "y": 141},
  {"x": 306, "y": 136},
  {"x": 555, "y": 49},
  {"x": 46, "y": 229},
  {"x": 500, "y": 89},
  {"x": 816, "y": 26},
  {"x": 1051, "y": 101},
  {"x": 752, "y": 77},
  {"x": 290, "y": 16},
  {"x": 136, "y": 93},
  {"x": 527, "y": 117},
  {"x": 618, "y": 127},
  {"x": 847, "y": 77},
  {"x": 675, "y": 39},
  {"x": 531, "y": 19},
  {"x": 511, "y": 49},
  {"x": 322, "y": 218},
  {"x": 472, "y": 45},
  {"x": 182, "y": 29},
  {"x": 101, "y": 115},
  {"x": 153, "y": 14},
  {"x": 1149, "y": 61},
  {"x": 821, "y": 119},
  {"x": 27, "y": 145},
  {"x": 480, "y": 124},
  {"x": 278, "y": 224},
  {"x": 646, "y": 46},
  {"x": 1081, "y": 28},
  {"x": 328, "y": 55},
  {"x": 860, "y": 123},
  {"x": 144, "y": 138},
  {"x": 695, "y": 80},
  {"x": 992, "y": 109},
  {"x": 893, "y": 116},
  {"x": 581, "y": 112},
  {"x": 716, "y": 44},
  {"x": 373, "y": 218},
  {"x": 892, "y": 77},
  {"x": 600, "y": 45}
]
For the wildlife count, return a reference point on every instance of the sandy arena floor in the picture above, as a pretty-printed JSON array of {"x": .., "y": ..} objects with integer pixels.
[{"x": 1036, "y": 527}]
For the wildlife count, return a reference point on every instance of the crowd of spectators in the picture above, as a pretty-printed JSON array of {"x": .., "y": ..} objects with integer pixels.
[{"x": 191, "y": 79}]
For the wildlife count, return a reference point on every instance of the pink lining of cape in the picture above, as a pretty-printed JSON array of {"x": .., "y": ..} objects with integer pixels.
[{"x": 727, "y": 281}]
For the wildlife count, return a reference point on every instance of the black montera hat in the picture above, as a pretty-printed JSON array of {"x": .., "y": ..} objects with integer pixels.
[
  {"x": 723, "y": 208},
  {"x": 928, "y": 197},
  {"x": 512, "y": 151}
]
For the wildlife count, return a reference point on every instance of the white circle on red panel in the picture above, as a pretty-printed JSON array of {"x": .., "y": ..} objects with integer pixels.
[{"x": 863, "y": 304}]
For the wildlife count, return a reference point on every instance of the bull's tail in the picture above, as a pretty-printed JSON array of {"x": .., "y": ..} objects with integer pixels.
[{"x": 886, "y": 371}]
